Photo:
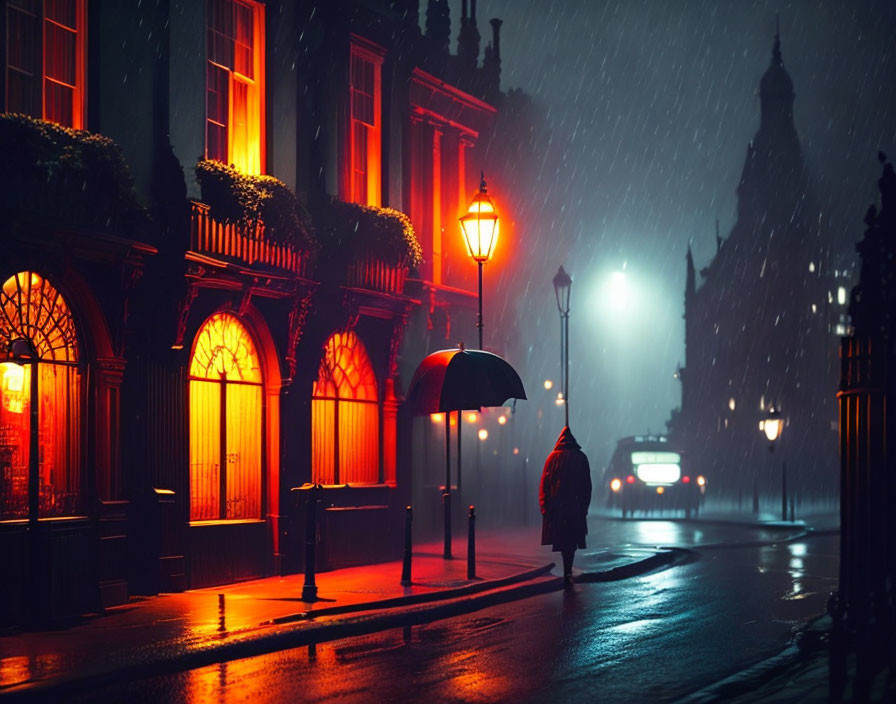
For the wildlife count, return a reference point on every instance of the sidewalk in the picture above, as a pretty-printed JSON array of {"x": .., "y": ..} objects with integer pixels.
[{"x": 175, "y": 632}]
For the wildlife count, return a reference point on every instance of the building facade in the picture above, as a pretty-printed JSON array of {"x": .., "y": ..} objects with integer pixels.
[
  {"x": 762, "y": 323},
  {"x": 230, "y": 233}
]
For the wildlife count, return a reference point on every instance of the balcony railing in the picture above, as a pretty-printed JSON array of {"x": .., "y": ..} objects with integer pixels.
[
  {"x": 373, "y": 274},
  {"x": 247, "y": 245}
]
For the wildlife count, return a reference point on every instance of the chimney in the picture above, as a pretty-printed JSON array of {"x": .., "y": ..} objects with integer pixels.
[
  {"x": 468, "y": 39},
  {"x": 496, "y": 38}
]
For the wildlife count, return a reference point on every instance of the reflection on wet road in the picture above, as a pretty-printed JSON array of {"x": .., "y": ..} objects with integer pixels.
[{"x": 651, "y": 638}]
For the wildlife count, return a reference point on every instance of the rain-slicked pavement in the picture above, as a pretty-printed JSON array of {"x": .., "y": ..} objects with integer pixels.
[{"x": 654, "y": 637}]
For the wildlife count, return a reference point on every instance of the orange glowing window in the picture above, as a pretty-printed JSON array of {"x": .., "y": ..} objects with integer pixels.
[
  {"x": 35, "y": 316},
  {"x": 225, "y": 422},
  {"x": 45, "y": 59},
  {"x": 366, "y": 125},
  {"x": 235, "y": 84},
  {"x": 345, "y": 413}
]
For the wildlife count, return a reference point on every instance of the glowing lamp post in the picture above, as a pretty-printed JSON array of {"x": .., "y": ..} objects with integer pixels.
[
  {"x": 480, "y": 229},
  {"x": 562, "y": 289},
  {"x": 21, "y": 352},
  {"x": 773, "y": 425}
]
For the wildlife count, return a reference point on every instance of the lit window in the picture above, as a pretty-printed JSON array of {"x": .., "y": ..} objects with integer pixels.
[
  {"x": 811, "y": 267},
  {"x": 345, "y": 415},
  {"x": 841, "y": 295},
  {"x": 34, "y": 312},
  {"x": 731, "y": 404},
  {"x": 366, "y": 126},
  {"x": 235, "y": 84},
  {"x": 225, "y": 422},
  {"x": 45, "y": 60}
]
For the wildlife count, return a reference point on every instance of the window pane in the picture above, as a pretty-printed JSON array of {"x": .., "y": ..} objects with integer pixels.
[
  {"x": 239, "y": 130},
  {"x": 359, "y": 162},
  {"x": 323, "y": 441},
  {"x": 354, "y": 422},
  {"x": 216, "y": 137},
  {"x": 358, "y": 442},
  {"x": 220, "y": 32},
  {"x": 15, "y": 409},
  {"x": 243, "y": 40},
  {"x": 23, "y": 74},
  {"x": 205, "y": 450},
  {"x": 31, "y": 308},
  {"x": 62, "y": 12},
  {"x": 59, "y": 103},
  {"x": 59, "y": 441},
  {"x": 59, "y": 53},
  {"x": 243, "y": 451}
]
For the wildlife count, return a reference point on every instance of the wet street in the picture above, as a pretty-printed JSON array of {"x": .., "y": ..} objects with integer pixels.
[{"x": 654, "y": 637}]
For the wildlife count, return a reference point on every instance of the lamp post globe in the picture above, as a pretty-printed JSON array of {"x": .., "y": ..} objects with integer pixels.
[
  {"x": 479, "y": 226},
  {"x": 562, "y": 289},
  {"x": 773, "y": 425}
]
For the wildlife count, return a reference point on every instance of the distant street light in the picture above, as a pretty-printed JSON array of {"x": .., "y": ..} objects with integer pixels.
[
  {"x": 562, "y": 290},
  {"x": 773, "y": 426},
  {"x": 480, "y": 229}
]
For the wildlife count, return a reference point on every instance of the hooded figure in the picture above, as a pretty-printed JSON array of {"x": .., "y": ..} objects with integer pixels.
[{"x": 564, "y": 497}]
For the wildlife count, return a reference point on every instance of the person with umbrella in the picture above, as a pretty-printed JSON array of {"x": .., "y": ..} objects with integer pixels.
[{"x": 564, "y": 496}]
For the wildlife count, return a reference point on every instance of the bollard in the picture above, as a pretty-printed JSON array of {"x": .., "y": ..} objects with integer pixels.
[
  {"x": 471, "y": 544},
  {"x": 756, "y": 495},
  {"x": 406, "y": 566},
  {"x": 446, "y": 505},
  {"x": 309, "y": 589},
  {"x": 784, "y": 491}
]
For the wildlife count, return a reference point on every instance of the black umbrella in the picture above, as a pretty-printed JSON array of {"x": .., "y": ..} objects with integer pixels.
[{"x": 460, "y": 380}]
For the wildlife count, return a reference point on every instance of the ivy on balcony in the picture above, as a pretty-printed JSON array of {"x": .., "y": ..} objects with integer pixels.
[
  {"x": 65, "y": 174},
  {"x": 350, "y": 233},
  {"x": 243, "y": 200}
]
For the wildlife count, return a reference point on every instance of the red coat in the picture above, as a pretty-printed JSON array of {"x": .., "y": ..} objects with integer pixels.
[{"x": 564, "y": 495}]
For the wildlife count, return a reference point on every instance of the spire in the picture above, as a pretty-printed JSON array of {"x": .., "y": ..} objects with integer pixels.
[
  {"x": 690, "y": 287},
  {"x": 491, "y": 65},
  {"x": 776, "y": 48},
  {"x": 776, "y": 93}
]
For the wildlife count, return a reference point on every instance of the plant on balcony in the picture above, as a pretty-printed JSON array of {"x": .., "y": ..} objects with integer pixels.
[
  {"x": 65, "y": 173},
  {"x": 350, "y": 232},
  {"x": 236, "y": 198}
]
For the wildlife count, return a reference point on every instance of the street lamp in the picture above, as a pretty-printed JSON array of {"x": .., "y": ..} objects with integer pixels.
[
  {"x": 480, "y": 229},
  {"x": 562, "y": 289},
  {"x": 773, "y": 426},
  {"x": 22, "y": 351}
]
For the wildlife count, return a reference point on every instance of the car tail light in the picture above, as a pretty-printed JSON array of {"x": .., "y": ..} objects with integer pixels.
[
  {"x": 630, "y": 479},
  {"x": 686, "y": 479}
]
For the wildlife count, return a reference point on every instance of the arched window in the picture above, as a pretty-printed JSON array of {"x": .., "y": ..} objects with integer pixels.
[
  {"x": 36, "y": 328},
  {"x": 345, "y": 441},
  {"x": 225, "y": 422}
]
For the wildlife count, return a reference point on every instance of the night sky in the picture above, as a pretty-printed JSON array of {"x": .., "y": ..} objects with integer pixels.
[{"x": 651, "y": 105}]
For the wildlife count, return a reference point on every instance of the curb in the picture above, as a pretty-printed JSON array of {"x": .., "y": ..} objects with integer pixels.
[
  {"x": 414, "y": 599},
  {"x": 806, "y": 644},
  {"x": 284, "y": 635},
  {"x": 667, "y": 557}
]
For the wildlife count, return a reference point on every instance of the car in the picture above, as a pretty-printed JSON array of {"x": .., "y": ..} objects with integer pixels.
[{"x": 645, "y": 474}]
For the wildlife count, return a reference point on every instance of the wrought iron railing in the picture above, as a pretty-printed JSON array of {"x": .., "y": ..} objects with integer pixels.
[
  {"x": 246, "y": 244},
  {"x": 376, "y": 275}
]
